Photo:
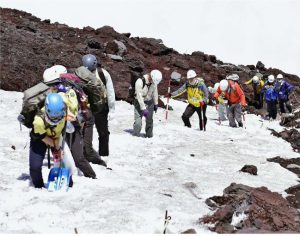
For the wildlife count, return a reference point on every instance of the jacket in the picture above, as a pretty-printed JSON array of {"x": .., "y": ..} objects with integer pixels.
[
  {"x": 256, "y": 87},
  {"x": 196, "y": 92},
  {"x": 234, "y": 94},
  {"x": 283, "y": 89},
  {"x": 149, "y": 92},
  {"x": 111, "y": 98},
  {"x": 270, "y": 93}
]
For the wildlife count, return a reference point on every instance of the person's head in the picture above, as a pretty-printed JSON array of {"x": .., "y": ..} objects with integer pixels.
[
  {"x": 51, "y": 74},
  {"x": 155, "y": 76},
  {"x": 255, "y": 79},
  {"x": 54, "y": 108},
  {"x": 90, "y": 62},
  {"x": 224, "y": 85},
  {"x": 271, "y": 79},
  {"x": 279, "y": 77},
  {"x": 233, "y": 77},
  {"x": 191, "y": 74}
]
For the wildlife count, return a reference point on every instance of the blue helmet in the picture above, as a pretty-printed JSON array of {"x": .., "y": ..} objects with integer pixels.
[
  {"x": 55, "y": 108},
  {"x": 90, "y": 61}
]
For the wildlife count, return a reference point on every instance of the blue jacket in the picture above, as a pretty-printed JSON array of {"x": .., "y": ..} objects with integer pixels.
[
  {"x": 283, "y": 89},
  {"x": 270, "y": 93}
]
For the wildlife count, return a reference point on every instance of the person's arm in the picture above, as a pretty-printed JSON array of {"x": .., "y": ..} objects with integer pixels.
[
  {"x": 179, "y": 91},
  {"x": 111, "y": 97},
  {"x": 241, "y": 95},
  {"x": 248, "y": 82},
  {"x": 205, "y": 91},
  {"x": 139, "y": 93},
  {"x": 155, "y": 95}
]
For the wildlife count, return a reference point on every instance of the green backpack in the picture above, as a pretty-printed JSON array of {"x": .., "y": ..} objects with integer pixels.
[
  {"x": 33, "y": 101},
  {"x": 93, "y": 88}
]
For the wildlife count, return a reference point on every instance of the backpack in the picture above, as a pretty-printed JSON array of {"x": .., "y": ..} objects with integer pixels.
[
  {"x": 33, "y": 101},
  {"x": 94, "y": 88},
  {"x": 270, "y": 94},
  {"x": 134, "y": 77}
]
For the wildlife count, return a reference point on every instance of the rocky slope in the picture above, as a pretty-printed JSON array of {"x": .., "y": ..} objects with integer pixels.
[{"x": 29, "y": 46}]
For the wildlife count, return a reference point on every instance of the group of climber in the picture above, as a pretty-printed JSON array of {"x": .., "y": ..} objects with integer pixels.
[{"x": 272, "y": 91}]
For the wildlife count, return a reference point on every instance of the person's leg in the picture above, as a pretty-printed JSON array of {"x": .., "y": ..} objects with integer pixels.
[
  {"x": 101, "y": 121},
  {"x": 273, "y": 109},
  {"x": 137, "y": 126},
  {"x": 77, "y": 152},
  {"x": 149, "y": 120},
  {"x": 222, "y": 112},
  {"x": 289, "y": 106},
  {"x": 238, "y": 114},
  {"x": 199, "y": 112},
  {"x": 36, "y": 156},
  {"x": 230, "y": 115},
  {"x": 189, "y": 111},
  {"x": 281, "y": 106}
]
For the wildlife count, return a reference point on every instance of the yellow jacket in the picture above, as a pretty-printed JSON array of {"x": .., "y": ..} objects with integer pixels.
[{"x": 258, "y": 86}]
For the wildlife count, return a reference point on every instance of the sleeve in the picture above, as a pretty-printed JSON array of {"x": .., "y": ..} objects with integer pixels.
[
  {"x": 205, "y": 91},
  {"x": 39, "y": 130},
  {"x": 155, "y": 95},
  {"x": 139, "y": 95},
  {"x": 217, "y": 93},
  {"x": 111, "y": 97},
  {"x": 241, "y": 95},
  {"x": 248, "y": 82},
  {"x": 179, "y": 91},
  {"x": 289, "y": 87}
]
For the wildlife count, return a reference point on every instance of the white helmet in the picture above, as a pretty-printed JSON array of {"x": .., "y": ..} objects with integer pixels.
[
  {"x": 279, "y": 76},
  {"x": 156, "y": 76},
  {"x": 233, "y": 77},
  {"x": 53, "y": 73},
  {"x": 191, "y": 74},
  {"x": 224, "y": 85},
  {"x": 255, "y": 79},
  {"x": 271, "y": 78},
  {"x": 216, "y": 86}
]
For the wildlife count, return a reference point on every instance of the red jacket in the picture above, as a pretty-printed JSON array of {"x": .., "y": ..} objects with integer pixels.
[{"x": 234, "y": 94}]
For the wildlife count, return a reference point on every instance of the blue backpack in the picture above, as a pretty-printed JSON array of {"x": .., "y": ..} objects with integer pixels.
[{"x": 270, "y": 94}]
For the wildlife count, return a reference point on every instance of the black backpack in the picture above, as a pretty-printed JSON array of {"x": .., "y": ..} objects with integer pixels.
[{"x": 134, "y": 77}]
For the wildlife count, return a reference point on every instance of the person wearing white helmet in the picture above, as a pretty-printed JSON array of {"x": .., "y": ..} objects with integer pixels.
[
  {"x": 283, "y": 88},
  {"x": 221, "y": 107},
  {"x": 270, "y": 96},
  {"x": 100, "y": 119},
  {"x": 257, "y": 84},
  {"x": 236, "y": 100},
  {"x": 146, "y": 101},
  {"x": 197, "y": 95}
]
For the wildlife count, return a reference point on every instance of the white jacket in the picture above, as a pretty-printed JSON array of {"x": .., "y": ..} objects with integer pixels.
[
  {"x": 111, "y": 98},
  {"x": 147, "y": 93}
]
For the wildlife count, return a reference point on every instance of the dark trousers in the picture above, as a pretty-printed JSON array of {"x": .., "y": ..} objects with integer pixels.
[
  {"x": 272, "y": 109},
  {"x": 287, "y": 104},
  {"x": 36, "y": 156},
  {"x": 189, "y": 111},
  {"x": 75, "y": 142},
  {"x": 259, "y": 97},
  {"x": 101, "y": 123}
]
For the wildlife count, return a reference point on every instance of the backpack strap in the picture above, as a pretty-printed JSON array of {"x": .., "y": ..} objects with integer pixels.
[{"x": 102, "y": 76}]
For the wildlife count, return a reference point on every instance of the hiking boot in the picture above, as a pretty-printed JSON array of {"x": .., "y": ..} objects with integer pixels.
[
  {"x": 102, "y": 163},
  {"x": 240, "y": 124}
]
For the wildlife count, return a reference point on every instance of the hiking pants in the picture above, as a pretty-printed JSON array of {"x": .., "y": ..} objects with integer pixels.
[
  {"x": 88, "y": 151},
  {"x": 259, "y": 97},
  {"x": 75, "y": 142},
  {"x": 138, "y": 115},
  {"x": 36, "y": 156},
  {"x": 272, "y": 109},
  {"x": 234, "y": 112},
  {"x": 101, "y": 121},
  {"x": 222, "y": 111},
  {"x": 189, "y": 111},
  {"x": 286, "y": 103}
]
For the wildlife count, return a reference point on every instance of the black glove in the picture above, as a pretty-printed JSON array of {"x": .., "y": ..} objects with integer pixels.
[{"x": 155, "y": 108}]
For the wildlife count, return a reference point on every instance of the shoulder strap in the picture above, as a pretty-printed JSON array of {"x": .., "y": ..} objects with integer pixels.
[
  {"x": 144, "y": 81},
  {"x": 102, "y": 76}
]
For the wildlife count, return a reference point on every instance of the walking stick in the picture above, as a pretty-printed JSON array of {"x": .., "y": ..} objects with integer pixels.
[
  {"x": 202, "y": 118},
  {"x": 244, "y": 120},
  {"x": 167, "y": 219},
  {"x": 167, "y": 107}
]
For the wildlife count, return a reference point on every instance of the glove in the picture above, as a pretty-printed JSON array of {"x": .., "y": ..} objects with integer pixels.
[
  {"x": 61, "y": 88},
  {"x": 243, "y": 108},
  {"x": 202, "y": 103},
  {"x": 57, "y": 154},
  {"x": 221, "y": 100},
  {"x": 155, "y": 108},
  {"x": 21, "y": 118},
  {"x": 145, "y": 113}
]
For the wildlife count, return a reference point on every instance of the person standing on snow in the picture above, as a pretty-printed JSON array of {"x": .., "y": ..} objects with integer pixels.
[
  {"x": 257, "y": 84},
  {"x": 75, "y": 120},
  {"x": 221, "y": 108},
  {"x": 100, "y": 118},
  {"x": 271, "y": 97},
  {"x": 283, "y": 88},
  {"x": 146, "y": 101},
  {"x": 197, "y": 95},
  {"x": 236, "y": 101}
]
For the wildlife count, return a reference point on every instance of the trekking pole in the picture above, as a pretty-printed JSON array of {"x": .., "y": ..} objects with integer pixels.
[
  {"x": 202, "y": 114},
  {"x": 244, "y": 120},
  {"x": 167, "y": 219},
  {"x": 167, "y": 107}
]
